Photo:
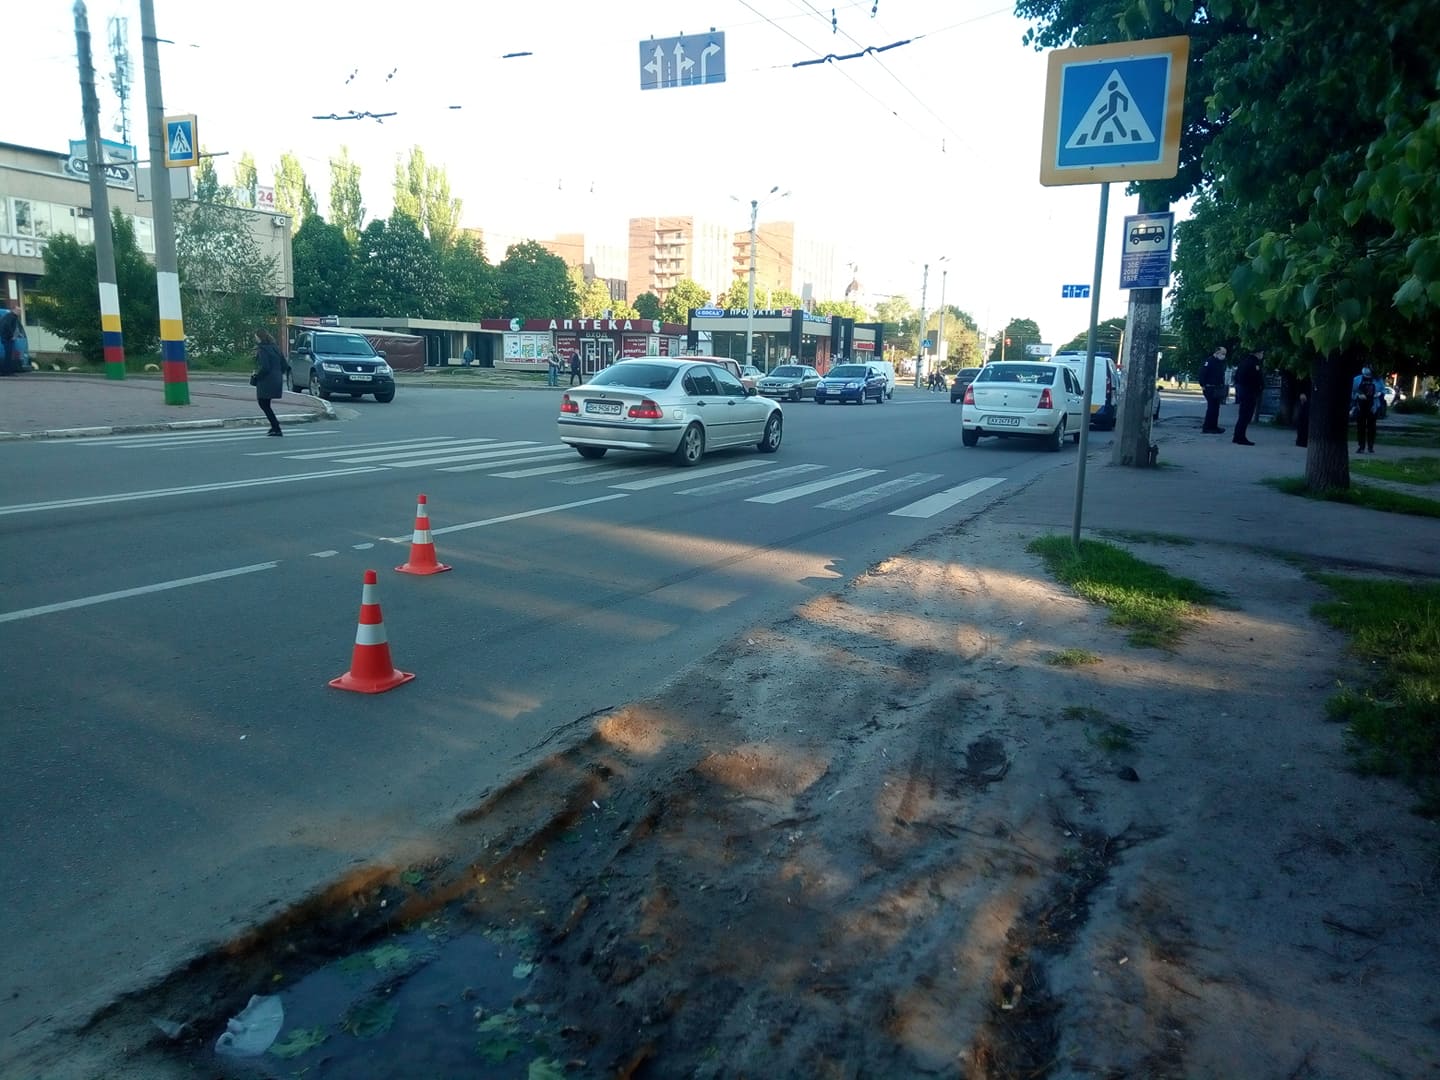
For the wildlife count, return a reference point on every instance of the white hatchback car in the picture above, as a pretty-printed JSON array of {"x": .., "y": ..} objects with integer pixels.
[{"x": 1028, "y": 399}]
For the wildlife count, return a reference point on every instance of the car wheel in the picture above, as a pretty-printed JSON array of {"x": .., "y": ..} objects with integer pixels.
[
  {"x": 861, "y": 399},
  {"x": 324, "y": 394},
  {"x": 356, "y": 397},
  {"x": 953, "y": 399},
  {"x": 1057, "y": 436},
  {"x": 385, "y": 397},
  {"x": 773, "y": 433},
  {"x": 692, "y": 446},
  {"x": 592, "y": 452},
  {"x": 970, "y": 437},
  {"x": 795, "y": 394},
  {"x": 819, "y": 401},
  {"x": 880, "y": 399}
]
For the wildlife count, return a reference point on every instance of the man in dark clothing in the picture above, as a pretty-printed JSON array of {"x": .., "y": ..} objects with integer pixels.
[
  {"x": 1212, "y": 384},
  {"x": 1249, "y": 381},
  {"x": 575, "y": 368},
  {"x": 9, "y": 331}
]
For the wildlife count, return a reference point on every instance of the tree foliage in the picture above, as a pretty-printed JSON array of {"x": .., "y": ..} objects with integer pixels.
[
  {"x": 226, "y": 280},
  {"x": 533, "y": 284},
  {"x": 846, "y": 309},
  {"x": 1019, "y": 333},
  {"x": 347, "y": 206},
  {"x": 685, "y": 295},
  {"x": 469, "y": 281},
  {"x": 1109, "y": 334},
  {"x": 245, "y": 190},
  {"x": 323, "y": 261},
  {"x": 292, "y": 191},
  {"x": 68, "y": 300},
  {"x": 396, "y": 272},
  {"x": 422, "y": 191},
  {"x": 647, "y": 305}
]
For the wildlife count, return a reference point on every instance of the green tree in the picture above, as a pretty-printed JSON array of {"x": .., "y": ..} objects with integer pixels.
[
  {"x": 846, "y": 309},
  {"x": 347, "y": 207},
  {"x": 962, "y": 338},
  {"x": 68, "y": 302},
  {"x": 292, "y": 191},
  {"x": 226, "y": 281},
  {"x": 1109, "y": 335},
  {"x": 594, "y": 295},
  {"x": 899, "y": 322},
  {"x": 469, "y": 281},
  {"x": 1019, "y": 333},
  {"x": 534, "y": 284},
  {"x": 397, "y": 272},
  {"x": 647, "y": 305},
  {"x": 323, "y": 262},
  {"x": 423, "y": 192},
  {"x": 245, "y": 190},
  {"x": 685, "y": 295}
]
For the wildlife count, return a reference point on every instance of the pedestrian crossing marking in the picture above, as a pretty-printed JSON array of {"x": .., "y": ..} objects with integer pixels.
[
  {"x": 943, "y": 500},
  {"x": 680, "y": 476},
  {"x": 541, "y": 470},
  {"x": 857, "y": 499},
  {"x": 749, "y": 481},
  {"x": 786, "y": 494},
  {"x": 516, "y": 457},
  {"x": 1112, "y": 113}
]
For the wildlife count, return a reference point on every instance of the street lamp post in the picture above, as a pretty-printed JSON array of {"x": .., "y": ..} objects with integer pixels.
[
  {"x": 940, "y": 333},
  {"x": 920, "y": 333}
]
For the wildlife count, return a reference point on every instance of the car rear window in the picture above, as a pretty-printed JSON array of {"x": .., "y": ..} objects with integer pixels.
[
  {"x": 1018, "y": 373},
  {"x": 342, "y": 345},
  {"x": 639, "y": 375},
  {"x": 849, "y": 371},
  {"x": 788, "y": 372}
]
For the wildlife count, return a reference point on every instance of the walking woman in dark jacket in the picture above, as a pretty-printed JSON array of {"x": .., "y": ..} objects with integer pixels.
[{"x": 269, "y": 377}]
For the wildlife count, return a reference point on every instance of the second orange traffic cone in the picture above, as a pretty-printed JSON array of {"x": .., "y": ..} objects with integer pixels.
[
  {"x": 422, "y": 548},
  {"x": 371, "y": 671}
]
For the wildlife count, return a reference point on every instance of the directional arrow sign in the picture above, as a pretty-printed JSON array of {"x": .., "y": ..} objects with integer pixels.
[
  {"x": 1113, "y": 112},
  {"x": 691, "y": 60}
]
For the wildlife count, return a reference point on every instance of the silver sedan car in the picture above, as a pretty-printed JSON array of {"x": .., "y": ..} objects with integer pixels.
[
  {"x": 792, "y": 381},
  {"x": 680, "y": 407}
]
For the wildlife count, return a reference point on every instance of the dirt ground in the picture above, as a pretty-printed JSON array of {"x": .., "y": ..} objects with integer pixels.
[{"x": 889, "y": 837}]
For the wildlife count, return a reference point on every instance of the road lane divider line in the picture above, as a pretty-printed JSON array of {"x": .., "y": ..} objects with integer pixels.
[
  {"x": 507, "y": 517},
  {"x": 943, "y": 500},
  {"x": 142, "y": 590},
  {"x": 162, "y": 493}
]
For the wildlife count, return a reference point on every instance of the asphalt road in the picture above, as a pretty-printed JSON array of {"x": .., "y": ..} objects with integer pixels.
[{"x": 175, "y": 766}]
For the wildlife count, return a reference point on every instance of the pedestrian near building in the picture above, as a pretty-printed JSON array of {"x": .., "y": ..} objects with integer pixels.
[
  {"x": 552, "y": 369},
  {"x": 10, "y": 330},
  {"x": 575, "y": 376},
  {"x": 468, "y": 356},
  {"x": 1212, "y": 385},
  {"x": 1249, "y": 382},
  {"x": 1365, "y": 394},
  {"x": 269, "y": 377},
  {"x": 1303, "y": 391}
]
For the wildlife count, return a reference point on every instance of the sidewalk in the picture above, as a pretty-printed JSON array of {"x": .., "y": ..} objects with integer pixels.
[{"x": 41, "y": 405}]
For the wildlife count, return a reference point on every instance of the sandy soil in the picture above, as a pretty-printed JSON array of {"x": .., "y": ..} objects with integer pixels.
[{"x": 889, "y": 837}]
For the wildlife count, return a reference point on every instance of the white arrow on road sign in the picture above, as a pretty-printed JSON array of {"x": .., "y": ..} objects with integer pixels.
[{"x": 1110, "y": 116}]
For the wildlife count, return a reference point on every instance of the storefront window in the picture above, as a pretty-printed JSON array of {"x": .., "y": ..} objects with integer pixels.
[
  {"x": 84, "y": 230},
  {"x": 40, "y": 219},
  {"x": 20, "y": 210}
]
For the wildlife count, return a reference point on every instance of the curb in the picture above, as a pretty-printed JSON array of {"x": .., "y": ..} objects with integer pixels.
[{"x": 173, "y": 425}]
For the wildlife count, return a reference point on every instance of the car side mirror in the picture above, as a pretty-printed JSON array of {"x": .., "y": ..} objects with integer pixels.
[
  {"x": 380, "y": 353},
  {"x": 752, "y": 391}
]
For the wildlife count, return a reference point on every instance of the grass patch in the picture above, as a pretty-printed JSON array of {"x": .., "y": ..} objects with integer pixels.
[
  {"x": 1371, "y": 498},
  {"x": 1416, "y": 438},
  {"x": 1113, "y": 738},
  {"x": 1072, "y": 658},
  {"x": 1391, "y": 703},
  {"x": 1134, "y": 537},
  {"x": 1410, "y": 470},
  {"x": 1154, "y": 604},
  {"x": 1415, "y": 405},
  {"x": 1087, "y": 714}
]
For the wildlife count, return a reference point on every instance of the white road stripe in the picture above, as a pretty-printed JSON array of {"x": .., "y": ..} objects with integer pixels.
[
  {"x": 611, "y": 473},
  {"x": 169, "y": 440},
  {"x": 943, "y": 500},
  {"x": 549, "y": 453},
  {"x": 507, "y": 517},
  {"x": 786, "y": 494},
  {"x": 749, "y": 481},
  {"x": 399, "y": 444},
  {"x": 681, "y": 475},
  {"x": 161, "y": 493},
  {"x": 543, "y": 470},
  {"x": 487, "y": 458},
  {"x": 459, "y": 445},
  {"x": 122, "y": 594},
  {"x": 879, "y": 491}
]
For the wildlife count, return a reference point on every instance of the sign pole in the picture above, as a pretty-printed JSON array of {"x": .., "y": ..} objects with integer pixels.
[
  {"x": 175, "y": 371},
  {"x": 1090, "y": 363},
  {"x": 112, "y": 340}
]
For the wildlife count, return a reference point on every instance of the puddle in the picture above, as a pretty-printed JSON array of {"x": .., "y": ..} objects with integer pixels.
[{"x": 437, "y": 1001}]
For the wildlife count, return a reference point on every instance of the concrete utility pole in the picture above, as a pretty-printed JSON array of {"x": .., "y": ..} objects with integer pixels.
[
  {"x": 1141, "y": 346},
  {"x": 750, "y": 302},
  {"x": 175, "y": 371},
  {"x": 940, "y": 333},
  {"x": 920, "y": 336},
  {"x": 111, "y": 338}
]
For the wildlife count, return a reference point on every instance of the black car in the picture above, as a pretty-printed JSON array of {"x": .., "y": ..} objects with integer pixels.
[
  {"x": 337, "y": 362},
  {"x": 851, "y": 382},
  {"x": 963, "y": 378}
]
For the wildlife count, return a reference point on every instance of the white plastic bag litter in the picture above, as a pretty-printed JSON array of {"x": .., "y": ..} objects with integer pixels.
[{"x": 253, "y": 1031}]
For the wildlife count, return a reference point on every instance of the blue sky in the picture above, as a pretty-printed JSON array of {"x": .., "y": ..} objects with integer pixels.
[{"x": 926, "y": 150}]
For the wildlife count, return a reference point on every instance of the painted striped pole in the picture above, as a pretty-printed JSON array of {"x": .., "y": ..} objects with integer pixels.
[
  {"x": 111, "y": 340},
  {"x": 174, "y": 370}
]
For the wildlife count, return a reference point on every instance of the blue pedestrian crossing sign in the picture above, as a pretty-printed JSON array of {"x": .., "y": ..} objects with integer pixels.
[
  {"x": 1114, "y": 112},
  {"x": 182, "y": 146}
]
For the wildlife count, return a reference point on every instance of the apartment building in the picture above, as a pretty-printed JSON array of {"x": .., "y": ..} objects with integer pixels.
[
  {"x": 665, "y": 249},
  {"x": 787, "y": 257}
]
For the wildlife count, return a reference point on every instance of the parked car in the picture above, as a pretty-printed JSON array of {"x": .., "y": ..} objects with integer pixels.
[
  {"x": 683, "y": 407},
  {"x": 851, "y": 382},
  {"x": 734, "y": 367},
  {"x": 331, "y": 362},
  {"x": 888, "y": 370},
  {"x": 1027, "y": 399},
  {"x": 1104, "y": 389},
  {"x": 793, "y": 381},
  {"x": 963, "y": 378}
]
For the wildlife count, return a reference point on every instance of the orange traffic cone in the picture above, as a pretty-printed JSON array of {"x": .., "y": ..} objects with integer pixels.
[
  {"x": 371, "y": 671},
  {"x": 422, "y": 547}
]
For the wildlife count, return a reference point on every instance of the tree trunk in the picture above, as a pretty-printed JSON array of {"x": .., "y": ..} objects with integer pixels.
[
  {"x": 1140, "y": 362},
  {"x": 1327, "y": 462}
]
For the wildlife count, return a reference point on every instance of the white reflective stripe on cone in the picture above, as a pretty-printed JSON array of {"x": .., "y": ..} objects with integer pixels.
[
  {"x": 422, "y": 536},
  {"x": 370, "y": 634}
]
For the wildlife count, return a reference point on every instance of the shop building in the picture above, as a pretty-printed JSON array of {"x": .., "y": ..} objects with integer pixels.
[{"x": 783, "y": 335}]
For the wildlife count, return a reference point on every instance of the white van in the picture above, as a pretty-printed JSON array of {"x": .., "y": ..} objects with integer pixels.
[
  {"x": 888, "y": 370},
  {"x": 1104, "y": 390}
]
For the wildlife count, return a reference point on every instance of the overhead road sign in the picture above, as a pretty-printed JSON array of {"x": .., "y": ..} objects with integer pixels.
[
  {"x": 1146, "y": 249},
  {"x": 1075, "y": 292},
  {"x": 1114, "y": 112},
  {"x": 691, "y": 60},
  {"x": 182, "y": 145}
]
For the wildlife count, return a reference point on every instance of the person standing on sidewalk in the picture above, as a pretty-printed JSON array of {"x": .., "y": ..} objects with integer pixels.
[
  {"x": 1212, "y": 385},
  {"x": 1249, "y": 381},
  {"x": 552, "y": 369},
  {"x": 10, "y": 330},
  {"x": 1365, "y": 393},
  {"x": 269, "y": 377},
  {"x": 575, "y": 368}
]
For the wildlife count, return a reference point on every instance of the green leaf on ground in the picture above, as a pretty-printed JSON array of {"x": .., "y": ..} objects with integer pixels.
[
  {"x": 545, "y": 1069},
  {"x": 498, "y": 1048},
  {"x": 299, "y": 1041},
  {"x": 412, "y": 877},
  {"x": 371, "y": 1018}
]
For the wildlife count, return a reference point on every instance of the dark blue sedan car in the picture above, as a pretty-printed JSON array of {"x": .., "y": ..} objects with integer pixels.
[{"x": 851, "y": 382}]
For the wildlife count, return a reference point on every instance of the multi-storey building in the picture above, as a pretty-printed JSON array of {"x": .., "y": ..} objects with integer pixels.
[
  {"x": 665, "y": 249},
  {"x": 789, "y": 258}
]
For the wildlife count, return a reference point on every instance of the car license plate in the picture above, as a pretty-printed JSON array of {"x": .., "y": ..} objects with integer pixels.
[
  {"x": 1003, "y": 421},
  {"x": 606, "y": 408},
  {"x": 361, "y": 378}
]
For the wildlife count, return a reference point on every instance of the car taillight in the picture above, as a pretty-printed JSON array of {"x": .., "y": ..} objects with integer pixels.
[
  {"x": 969, "y": 396},
  {"x": 646, "y": 410},
  {"x": 568, "y": 406},
  {"x": 1045, "y": 402}
]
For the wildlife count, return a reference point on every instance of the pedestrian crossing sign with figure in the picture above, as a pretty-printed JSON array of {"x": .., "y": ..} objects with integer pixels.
[
  {"x": 182, "y": 148},
  {"x": 1114, "y": 112}
]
